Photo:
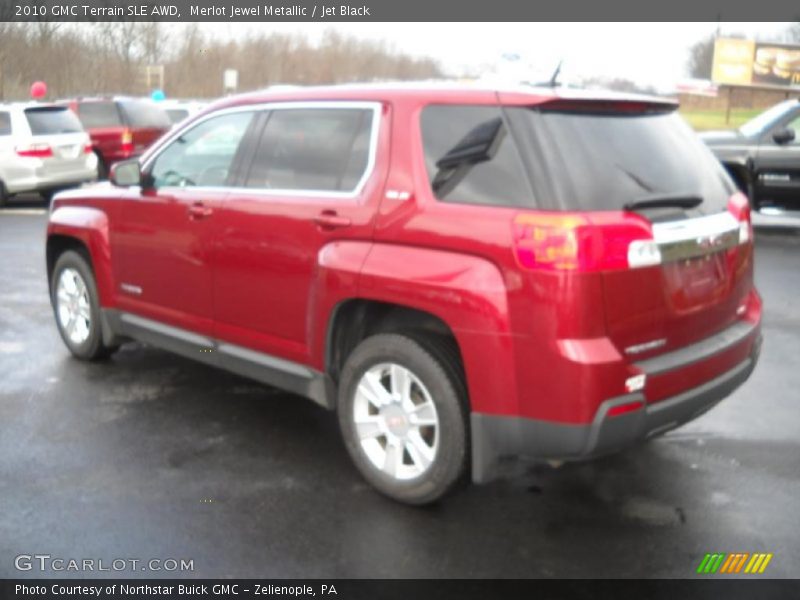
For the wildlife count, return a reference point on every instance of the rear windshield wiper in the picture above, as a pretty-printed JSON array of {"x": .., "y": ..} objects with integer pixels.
[{"x": 665, "y": 201}]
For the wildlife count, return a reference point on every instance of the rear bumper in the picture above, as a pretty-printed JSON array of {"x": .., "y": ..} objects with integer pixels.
[
  {"x": 31, "y": 175},
  {"x": 496, "y": 437}
]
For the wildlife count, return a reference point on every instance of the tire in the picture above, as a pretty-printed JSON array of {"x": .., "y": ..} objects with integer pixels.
[
  {"x": 102, "y": 168},
  {"x": 3, "y": 194},
  {"x": 74, "y": 294},
  {"x": 409, "y": 452}
]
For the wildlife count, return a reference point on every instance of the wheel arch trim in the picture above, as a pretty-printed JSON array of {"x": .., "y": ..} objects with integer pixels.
[{"x": 88, "y": 227}]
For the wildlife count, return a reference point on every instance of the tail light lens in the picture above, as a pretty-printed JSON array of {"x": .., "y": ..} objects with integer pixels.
[
  {"x": 127, "y": 142},
  {"x": 88, "y": 148},
  {"x": 35, "y": 151},
  {"x": 602, "y": 241},
  {"x": 739, "y": 207},
  {"x": 549, "y": 241}
]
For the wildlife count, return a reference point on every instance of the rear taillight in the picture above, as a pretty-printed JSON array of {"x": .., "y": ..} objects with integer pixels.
[
  {"x": 739, "y": 207},
  {"x": 88, "y": 148},
  {"x": 598, "y": 242},
  {"x": 35, "y": 151},
  {"x": 127, "y": 142}
]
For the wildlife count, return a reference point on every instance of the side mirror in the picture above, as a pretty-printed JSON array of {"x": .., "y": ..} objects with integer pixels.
[
  {"x": 125, "y": 174},
  {"x": 784, "y": 135}
]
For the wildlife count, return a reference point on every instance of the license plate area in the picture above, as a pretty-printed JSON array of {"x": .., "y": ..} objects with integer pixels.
[
  {"x": 695, "y": 283},
  {"x": 69, "y": 152},
  {"x": 695, "y": 265}
]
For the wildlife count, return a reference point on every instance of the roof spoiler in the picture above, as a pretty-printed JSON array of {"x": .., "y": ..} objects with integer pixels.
[{"x": 643, "y": 105}]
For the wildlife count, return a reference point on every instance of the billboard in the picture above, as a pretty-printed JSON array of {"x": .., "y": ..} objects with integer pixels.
[{"x": 745, "y": 62}]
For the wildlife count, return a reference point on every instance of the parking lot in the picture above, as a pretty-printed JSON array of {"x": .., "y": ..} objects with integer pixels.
[{"x": 149, "y": 455}]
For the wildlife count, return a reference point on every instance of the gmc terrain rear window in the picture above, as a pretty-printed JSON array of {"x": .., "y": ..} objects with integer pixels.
[
  {"x": 52, "y": 120},
  {"x": 470, "y": 157},
  {"x": 313, "y": 149},
  {"x": 5, "y": 123},
  {"x": 602, "y": 161},
  {"x": 99, "y": 114},
  {"x": 142, "y": 113}
]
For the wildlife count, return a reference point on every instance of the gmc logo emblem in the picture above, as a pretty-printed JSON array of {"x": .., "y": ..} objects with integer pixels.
[{"x": 709, "y": 242}]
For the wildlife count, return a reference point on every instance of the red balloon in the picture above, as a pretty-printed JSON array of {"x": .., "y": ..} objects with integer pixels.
[{"x": 38, "y": 90}]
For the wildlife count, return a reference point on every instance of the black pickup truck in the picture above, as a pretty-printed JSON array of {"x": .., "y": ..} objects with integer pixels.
[{"x": 763, "y": 157}]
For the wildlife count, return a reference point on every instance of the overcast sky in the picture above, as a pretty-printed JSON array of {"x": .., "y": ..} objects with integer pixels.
[{"x": 648, "y": 53}]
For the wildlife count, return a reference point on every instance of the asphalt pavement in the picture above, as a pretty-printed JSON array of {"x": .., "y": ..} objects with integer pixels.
[{"x": 152, "y": 456}]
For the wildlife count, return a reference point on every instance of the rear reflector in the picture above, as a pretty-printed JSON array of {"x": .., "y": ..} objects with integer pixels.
[
  {"x": 35, "y": 151},
  {"x": 623, "y": 409}
]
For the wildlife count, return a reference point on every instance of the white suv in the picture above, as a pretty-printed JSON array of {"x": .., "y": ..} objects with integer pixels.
[{"x": 43, "y": 148}]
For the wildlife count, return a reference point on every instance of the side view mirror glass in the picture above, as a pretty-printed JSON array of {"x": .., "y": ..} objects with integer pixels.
[
  {"x": 126, "y": 174},
  {"x": 784, "y": 135}
]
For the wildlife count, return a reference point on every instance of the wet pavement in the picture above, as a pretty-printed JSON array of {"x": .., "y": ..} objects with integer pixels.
[{"x": 152, "y": 456}]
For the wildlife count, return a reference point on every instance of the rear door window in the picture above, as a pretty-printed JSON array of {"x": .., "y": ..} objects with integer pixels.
[
  {"x": 52, "y": 120},
  {"x": 457, "y": 174},
  {"x": 144, "y": 114},
  {"x": 99, "y": 114},
  {"x": 5, "y": 123},
  {"x": 313, "y": 149},
  {"x": 588, "y": 161}
]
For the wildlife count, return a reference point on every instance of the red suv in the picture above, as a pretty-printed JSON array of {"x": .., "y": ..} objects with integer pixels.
[
  {"x": 463, "y": 275},
  {"x": 120, "y": 128}
]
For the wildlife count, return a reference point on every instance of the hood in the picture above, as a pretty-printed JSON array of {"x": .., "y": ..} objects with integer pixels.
[
  {"x": 721, "y": 138},
  {"x": 99, "y": 189}
]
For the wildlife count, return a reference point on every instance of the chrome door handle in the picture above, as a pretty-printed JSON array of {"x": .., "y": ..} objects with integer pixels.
[
  {"x": 198, "y": 210},
  {"x": 330, "y": 220}
]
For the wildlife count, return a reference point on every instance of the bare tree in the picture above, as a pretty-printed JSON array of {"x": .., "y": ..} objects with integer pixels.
[
  {"x": 107, "y": 58},
  {"x": 793, "y": 33},
  {"x": 701, "y": 58}
]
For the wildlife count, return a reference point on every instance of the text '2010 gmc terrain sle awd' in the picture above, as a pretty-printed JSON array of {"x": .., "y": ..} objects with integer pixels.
[{"x": 463, "y": 275}]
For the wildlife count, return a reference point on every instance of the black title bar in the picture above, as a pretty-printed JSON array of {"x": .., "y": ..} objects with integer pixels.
[
  {"x": 377, "y": 589},
  {"x": 397, "y": 10}
]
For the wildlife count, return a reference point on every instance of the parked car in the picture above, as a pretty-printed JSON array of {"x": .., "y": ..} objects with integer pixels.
[
  {"x": 121, "y": 128},
  {"x": 43, "y": 148},
  {"x": 763, "y": 157},
  {"x": 464, "y": 275},
  {"x": 178, "y": 110}
]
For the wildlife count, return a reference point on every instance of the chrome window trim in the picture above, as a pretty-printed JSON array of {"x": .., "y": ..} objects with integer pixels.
[
  {"x": 688, "y": 229},
  {"x": 688, "y": 238},
  {"x": 375, "y": 107},
  {"x": 692, "y": 238}
]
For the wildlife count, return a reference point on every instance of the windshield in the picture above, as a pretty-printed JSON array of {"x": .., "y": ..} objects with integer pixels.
[
  {"x": 176, "y": 115},
  {"x": 766, "y": 119},
  {"x": 96, "y": 115},
  {"x": 141, "y": 113},
  {"x": 586, "y": 161},
  {"x": 52, "y": 119}
]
